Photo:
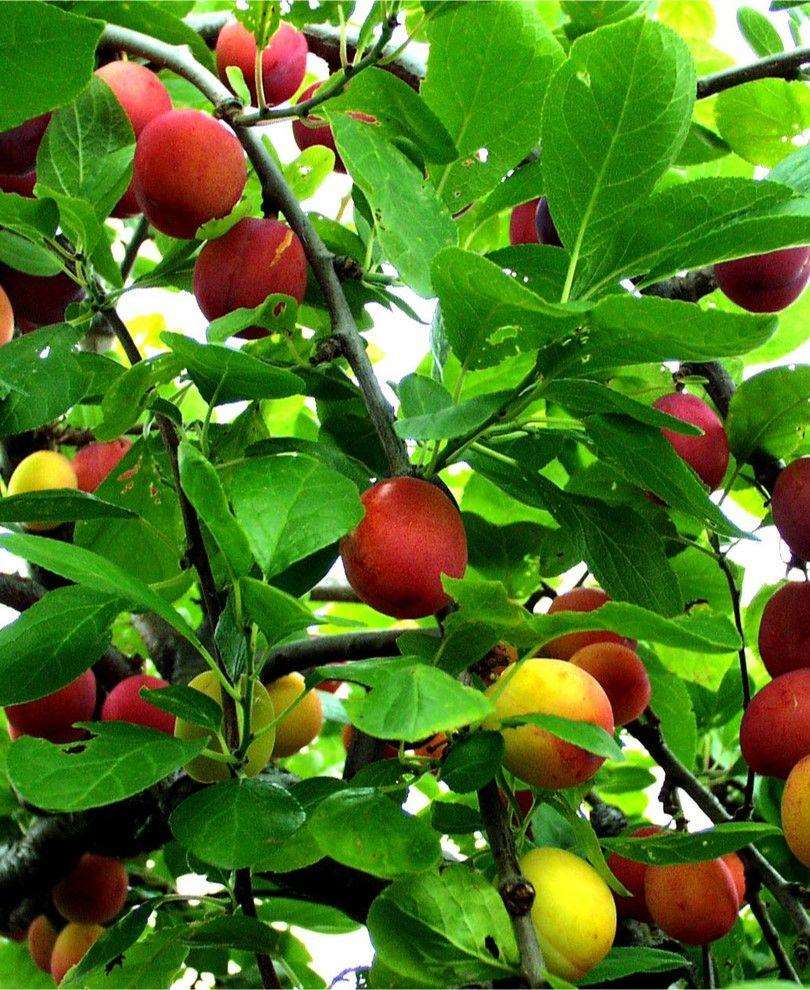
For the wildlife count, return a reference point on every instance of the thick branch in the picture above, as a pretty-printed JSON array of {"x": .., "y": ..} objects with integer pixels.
[
  {"x": 785, "y": 65},
  {"x": 690, "y": 287}
]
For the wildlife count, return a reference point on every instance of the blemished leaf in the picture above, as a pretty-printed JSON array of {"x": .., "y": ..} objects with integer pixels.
[
  {"x": 411, "y": 222},
  {"x": 587, "y": 736},
  {"x": 232, "y": 824},
  {"x": 488, "y": 102},
  {"x": 364, "y": 829},
  {"x": 87, "y": 150},
  {"x": 453, "y": 421},
  {"x": 59, "y": 505},
  {"x": 290, "y": 506},
  {"x": 57, "y": 64},
  {"x": 306, "y": 173},
  {"x": 670, "y": 846},
  {"x": 599, "y": 159},
  {"x": 622, "y": 962},
  {"x": 472, "y": 762},
  {"x": 115, "y": 941},
  {"x": 277, "y": 614},
  {"x": 54, "y": 641},
  {"x": 763, "y": 120},
  {"x": 121, "y": 759},
  {"x": 186, "y": 703},
  {"x": 770, "y": 411},
  {"x": 448, "y": 929}
]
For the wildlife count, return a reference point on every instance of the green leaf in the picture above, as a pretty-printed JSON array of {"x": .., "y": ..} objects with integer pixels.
[
  {"x": 448, "y": 929},
  {"x": 592, "y": 738},
  {"x": 25, "y": 256},
  {"x": 794, "y": 171},
  {"x": 290, "y": 506},
  {"x": 589, "y": 15},
  {"x": 115, "y": 941},
  {"x": 758, "y": 31},
  {"x": 153, "y": 961},
  {"x": 306, "y": 173},
  {"x": 87, "y": 150},
  {"x": 204, "y": 490},
  {"x": 488, "y": 71},
  {"x": 54, "y": 641},
  {"x": 59, "y": 505},
  {"x": 57, "y": 62},
  {"x": 225, "y": 375},
  {"x": 672, "y": 706},
  {"x": 276, "y": 314},
  {"x": 669, "y": 846},
  {"x": 277, "y": 614},
  {"x": 399, "y": 112},
  {"x": 771, "y": 412},
  {"x": 454, "y": 818},
  {"x": 322, "y": 918},
  {"x": 408, "y": 700},
  {"x": 623, "y": 962},
  {"x": 411, "y": 223},
  {"x": 233, "y": 931},
  {"x": 32, "y": 217},
  {"x": 472, "y": 762},
  {"x": 120, "y": 760},
  {"x": 454, "y": 421},
  {"x": 366, "y": 830},
  {"x": 125, "y": 399},
  {"x": 581, "y": 396},
  {"x": 301, "y": 848},
  {"x": 615, "y": 116},
  {"x": 763, "y": 120},
  {"x": 186, "y": 703},
  {"x": 232, "y": 824}
]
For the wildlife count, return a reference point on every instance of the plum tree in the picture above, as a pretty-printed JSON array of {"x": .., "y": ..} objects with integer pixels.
[
  {"x": 42, "y": 471},
  {"x": 313, "y": 130},
  {"x": 790, "y": 507},
  {"x": 775, "y": 729},
  {"x": 284, "y": 60},
  {"x": 631, "y": 874},
  {"x": 303, "y": 723},
  {"x": 573, "y": 911},
  {"x": 696, "y": 903},
  {"x": 531, "y": 223},
  {"x": 796, "y": 810},
  {"x": 93, "y": 892},
  {"x": 189, "y": 169},
  {"x": 143, "y": 97},
  {"x": 622, "y": 675},
  {"x": 410, "y": 535},
  {"x": 784, "y": 630},
  {"x": 706, "y": 454},
  {"x": 548, "y": 687},
  {"x": 39, "y": 300},
  {"x": 765, "y": 283},
  {"x": 19, "y": 146},
  {"x": 71, "y": 946},
  {"x": 580, "y": 600},
  {"x": 41, "y": 940},
  {"x": 259, "y": 752},
  {"x": 6, "y": 318},
  {"x": 125, "y": 704},
  {"x": 255, "y": 259},
  {"x": 52, "y": 717},
  {"x": 95, "y": 462}
]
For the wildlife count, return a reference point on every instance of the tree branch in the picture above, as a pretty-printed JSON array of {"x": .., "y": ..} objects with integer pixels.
[
  {"x": 140, "y": 233},
  {"x": 785, "y": 65}
]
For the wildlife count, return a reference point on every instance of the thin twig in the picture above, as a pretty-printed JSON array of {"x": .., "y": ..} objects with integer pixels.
[
  {"x": 760, "y": 911},
  {"x": 243, "y": 889},
  {"x": 785, "y": 65},
  {"x": 140, "y": 233}
]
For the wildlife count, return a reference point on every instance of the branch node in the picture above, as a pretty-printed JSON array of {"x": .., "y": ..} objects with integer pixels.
[
  {"x": 327, "y": 350},
  {"x": 517, "y": 896}
]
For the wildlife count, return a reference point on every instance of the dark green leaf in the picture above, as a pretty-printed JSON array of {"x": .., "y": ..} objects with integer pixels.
[
  {"x": 59, "y": 505},
  {"x": 472, "y": 762},
  {"x": 623, "y": 962},
  {"x": 670, "y": 846},
  {"x": 277, "y": 614},
  {"x": 186, "y": 703},
  {"x": 592, "y": 738}
]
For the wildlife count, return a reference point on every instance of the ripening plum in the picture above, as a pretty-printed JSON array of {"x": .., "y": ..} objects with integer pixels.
[
  {"x": 796, "y": 811},
  {"x": 784, "y": 631},
  {"x": 790, "y": 507},
  {"x": 52, "y": 717},
  {"x": 548, "y": 687},
  {"x": 143, "y": 97},
  {"x": 303, "y": 723},
  {"x": 631, "y": 874},
  {"x": 573, "y": 911},
  {"x": 775, "y": 729},
  {"x": 125, "y": 704},
  {"x": 22, "y": 185},
  {"x": 39, "y": 300},
  {"x": 622, "y": 675},
  {"x": 42, "y": 471},
  {"x": 259, "y": 752},
  {"x": 19, "y": 146},
  {"x": 737, "y": 869},
  {"x": 6, "y": 318},
  {"x": 695, "y": 903},
  {"x": 96, "y": 461},
  {"x": 284, "y": 60},
  {"x": 189, "y": 169},
  {"x": 71, "y": 946},
  {"x": 765, "y": 283},
  {"x": 41, "y": 939},
  {"x": 93, "y": 892},
  {"x": 410, "y": 535},
  {"x": 255, "y": 259},
  {"x": 531, "y": 223},
  {"x": 706, "y": 454},
  {"x": 580, "y": 600}
]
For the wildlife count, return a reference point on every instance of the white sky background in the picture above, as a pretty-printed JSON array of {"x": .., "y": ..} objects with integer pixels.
[{"x": 404, "y": 342}]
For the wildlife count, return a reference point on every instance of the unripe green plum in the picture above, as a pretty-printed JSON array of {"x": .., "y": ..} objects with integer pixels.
[
  {"x": 775, "y": 729},
  {"x": 410, "y": 535},
  {"x": 790, "y": 507},
  {"x": 259, "y": 752},
  {"x": 573, "y": 911},
  {"x": 93, "y": 892},
  {"x": 189, "y": 169},
  {"x": 706, "y": 454},
  {"x": 71, "y": 946},
  {"x": 580, "y": 600},
  {"x": 96, "y": 461},
  {"x": 796, "y": 811},
  {"x": 41, "y": 940},
  {"x": 304, "y": 722},
  {"x": 765, "y": 283},
  {"x": 622, "y": 675},
  {"x": 784, "y": 631},
  {"x": 284, "y": 60},
  {"x": 42, "y": 471},
  {"x": 53, "y": 716},
  {"x": 695, "y": 903},
  {"x": 548, "y": 687}
]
